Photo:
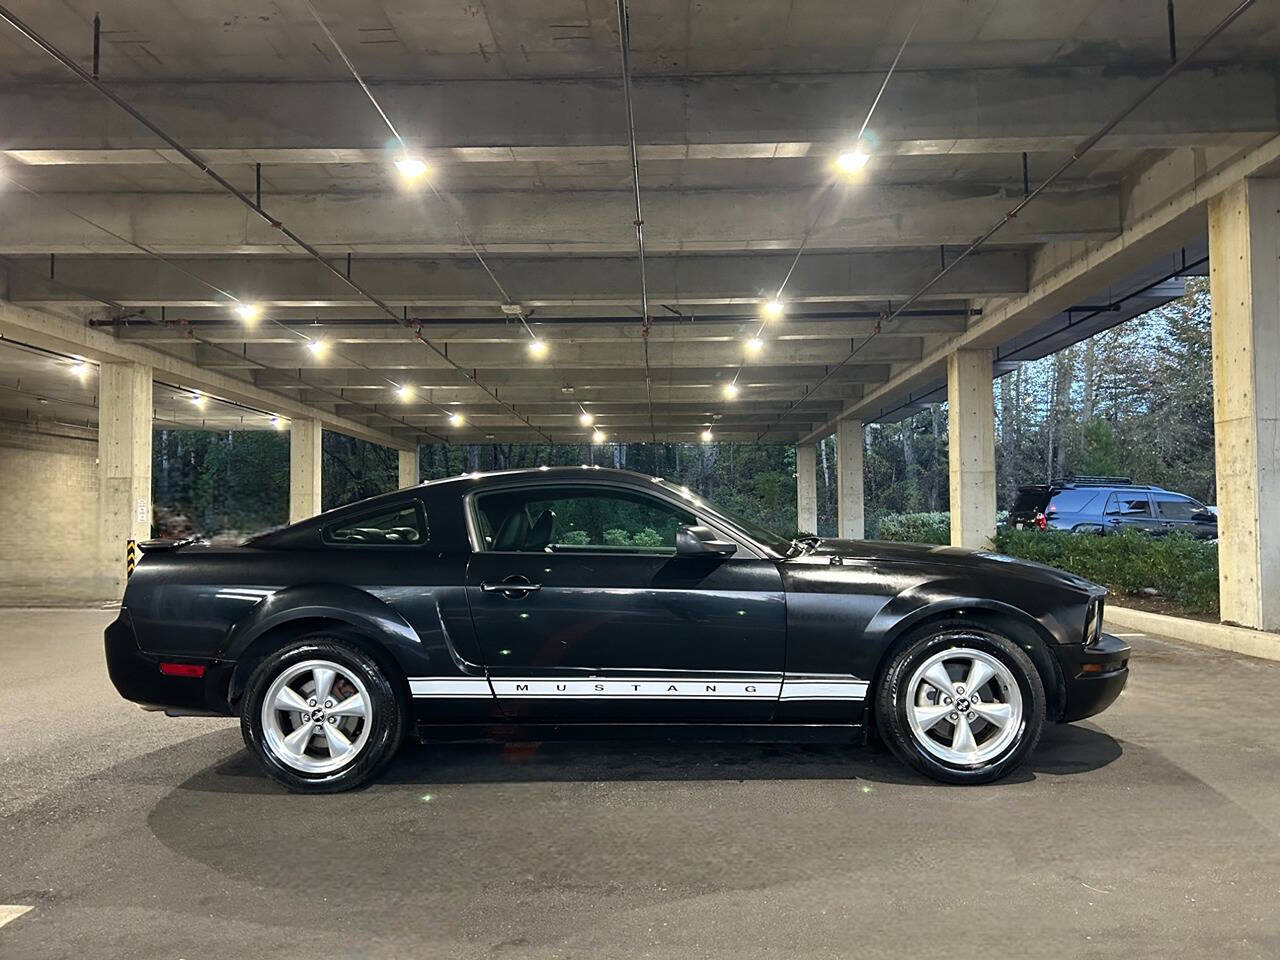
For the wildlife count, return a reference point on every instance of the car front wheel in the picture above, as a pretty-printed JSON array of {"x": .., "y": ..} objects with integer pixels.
[
  {"x": 320, "y": 716},
  {"x": 961, "y": 703}
]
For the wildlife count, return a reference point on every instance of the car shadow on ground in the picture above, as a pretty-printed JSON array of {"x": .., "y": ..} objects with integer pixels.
[{"x": 1063, "y": 750}]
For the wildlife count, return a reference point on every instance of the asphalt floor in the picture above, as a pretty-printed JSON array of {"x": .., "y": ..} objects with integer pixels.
[{"x": 1152, "y": 830}]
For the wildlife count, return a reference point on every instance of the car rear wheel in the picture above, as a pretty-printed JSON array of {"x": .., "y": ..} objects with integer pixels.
[
  {"x": 961, "y": 703},
  {"x": 321, "y": 716}
]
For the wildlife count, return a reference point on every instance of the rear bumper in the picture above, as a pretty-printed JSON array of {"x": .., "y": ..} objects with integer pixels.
[
  {"x": 1094, "y": 676},
  {"x": 137, "y": 677}
]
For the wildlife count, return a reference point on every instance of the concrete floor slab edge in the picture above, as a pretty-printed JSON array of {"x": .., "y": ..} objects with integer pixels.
[{"x": 1223, "y": 636}]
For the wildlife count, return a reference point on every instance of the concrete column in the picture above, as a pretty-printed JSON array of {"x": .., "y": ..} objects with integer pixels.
[
  {"x": 850, "y": 442},
  {"x": 304, "y": 469},
  {"x": 1244, "y": 283},
  {"x": 124, "y": 464},
  {"x": 807, "y": 487},
  {"x": 410, "y": 475},
  {"x": 971, "y": 448}
]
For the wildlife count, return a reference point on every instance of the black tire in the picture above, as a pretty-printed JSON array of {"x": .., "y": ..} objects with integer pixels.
[
  {"x": 892, "y": 696},
  {"x": 386, "y": 724}
]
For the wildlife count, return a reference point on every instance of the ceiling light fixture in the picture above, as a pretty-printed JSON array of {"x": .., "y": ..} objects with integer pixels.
[
  {"x": 772, "y": 309},
  {"x": 277, "y": 422},
  {"x": 538, "y": 347},
  {"x": 852, "y": 162},
  {"x": 586, "y": 419},
  {"x": 754, "y": 345},
  {"x": 404, "y": 391},
  {"x": 248, "y": 312},
  {"x": 197, "y": 398},
  {"x": 730, "y": 390},
  {"x": 317, "y": 347},
  {"x": 706, "y": 435},
  {"x": 79, "y": 369},
  {"x": 455, "y": 420},
  {"x": 597, "y": 436},
  {"x": 411, "y": 168}
]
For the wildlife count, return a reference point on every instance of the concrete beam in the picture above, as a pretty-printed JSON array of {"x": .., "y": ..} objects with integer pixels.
[
  {"x": 971, "y": 448},
  {"x": 1244, "y": 247},
  {"x": 850, "y": 443},
  {"x": 975, "y": 110},
  {"x": 610, "y": 378},
  {"x": 543, "y": 222},
  {"x": 124, "y": 464},
  {"x": 565, "y": 355},
  {"x": 70, "y": 335},
  {"x": 807, "y": 488},
  {"x": 305, "y": 461},
  {"x": 540, "y": 283},
  {"x": 603, "y": 331},
  {"x": 1166, "y": 208}
]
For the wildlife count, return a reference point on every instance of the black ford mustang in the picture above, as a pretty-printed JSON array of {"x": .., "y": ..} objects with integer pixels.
[{"x": 568, "y": 600}]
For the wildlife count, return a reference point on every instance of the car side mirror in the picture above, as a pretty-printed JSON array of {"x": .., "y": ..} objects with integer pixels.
[{"x": 694, "y": 541}]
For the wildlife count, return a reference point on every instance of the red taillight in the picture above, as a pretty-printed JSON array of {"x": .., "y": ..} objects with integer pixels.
[
  {"x": 182, "y": 669},
  {"x": 1042, "y": 522}
]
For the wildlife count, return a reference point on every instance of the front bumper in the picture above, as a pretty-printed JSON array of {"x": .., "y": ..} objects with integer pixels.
[
  {"x": 137, "y": 677},
  {"x": 1094, "y": 676}
]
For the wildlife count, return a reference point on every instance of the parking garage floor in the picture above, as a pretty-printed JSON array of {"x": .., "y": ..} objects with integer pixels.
[{"x": 1154, "y": 831}]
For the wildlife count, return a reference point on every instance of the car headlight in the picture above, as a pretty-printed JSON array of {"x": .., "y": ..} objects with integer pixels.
[{"x": 1092, "y": 622}]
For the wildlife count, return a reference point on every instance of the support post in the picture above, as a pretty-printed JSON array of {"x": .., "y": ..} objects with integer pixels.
[
  {"x": 850, "y": 442},
  {"x": 971, "y": 448},
  {"x": 410, "y": 475},
  {"x": 304, "y": 468},
  {"x": 124, "y": 463},
  {"x": 807, "y": 487},
  {"x": 1244, "y": 285}
]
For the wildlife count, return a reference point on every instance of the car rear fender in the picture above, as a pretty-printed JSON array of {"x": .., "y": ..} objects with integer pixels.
[{"x": 309, "y": 608}]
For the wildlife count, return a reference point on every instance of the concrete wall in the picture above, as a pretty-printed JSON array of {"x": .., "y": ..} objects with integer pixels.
[{"x": 48, "y": 540}]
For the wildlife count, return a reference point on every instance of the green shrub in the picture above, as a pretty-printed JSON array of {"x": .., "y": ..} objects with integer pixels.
[
  {"x": 913, "y": 527},
  {"x": 1178, "y": 567}
]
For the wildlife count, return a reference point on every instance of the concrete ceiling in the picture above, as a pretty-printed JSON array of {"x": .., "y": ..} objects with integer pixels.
[{"x": 740, "y": 108}]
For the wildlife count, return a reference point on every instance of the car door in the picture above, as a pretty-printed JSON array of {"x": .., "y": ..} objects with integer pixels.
[
  {"x": 1179, "y": 514},
  {"x": 1131, "y": 510},
  {"x": 583, "y": 611}
]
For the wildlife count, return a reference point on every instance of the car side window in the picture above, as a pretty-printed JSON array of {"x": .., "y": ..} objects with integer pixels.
[
  {"x": 1129, "y": 504},
  {"x": 1177, "y": 508},
  {"x": 399, "y": 527},
  {"x": 578, "y": 520}
]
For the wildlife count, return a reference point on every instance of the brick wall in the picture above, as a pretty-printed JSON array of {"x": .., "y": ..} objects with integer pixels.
[{"x": 49, "y": 517}]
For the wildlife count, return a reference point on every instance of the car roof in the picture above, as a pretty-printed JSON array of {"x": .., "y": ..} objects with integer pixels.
[{"x": 483, "y": 478}]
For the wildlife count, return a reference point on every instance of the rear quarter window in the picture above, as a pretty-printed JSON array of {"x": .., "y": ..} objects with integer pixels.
[
  {"x": 402, "y": 526},
  {"x": 1073, "y": 501}
]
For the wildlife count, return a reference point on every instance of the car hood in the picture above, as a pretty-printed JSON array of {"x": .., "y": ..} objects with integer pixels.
[{"x": 923, "y": 554}]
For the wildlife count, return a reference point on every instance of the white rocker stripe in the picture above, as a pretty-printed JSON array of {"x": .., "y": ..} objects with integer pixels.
[
  {"x": 599, "y": 688},
  {"x": 452, "y": 688},
  {"x": 824, "y": 689},
  {"x": 711, "y": 688}
]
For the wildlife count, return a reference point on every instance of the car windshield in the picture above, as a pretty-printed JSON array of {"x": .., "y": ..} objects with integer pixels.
[{"x": 762, "y": 535}]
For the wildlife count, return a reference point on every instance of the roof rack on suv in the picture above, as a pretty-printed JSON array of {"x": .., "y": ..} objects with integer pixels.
[{"x": 1087, "y": 481}]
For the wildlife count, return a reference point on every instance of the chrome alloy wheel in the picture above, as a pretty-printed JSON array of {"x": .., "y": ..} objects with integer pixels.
[
  {"x": 315, "y": 716},
  {"x": 965, "y": 706}
]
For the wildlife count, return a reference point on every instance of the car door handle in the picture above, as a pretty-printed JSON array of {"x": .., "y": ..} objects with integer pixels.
[{"x": 506, "y": 587}]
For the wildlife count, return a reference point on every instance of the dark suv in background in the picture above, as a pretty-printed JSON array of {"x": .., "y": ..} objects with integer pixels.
[{"x": 1107, "y": 504}]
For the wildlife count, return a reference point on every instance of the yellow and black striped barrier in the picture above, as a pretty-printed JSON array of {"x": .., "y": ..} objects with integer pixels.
[{"x": 130, "y": 557}]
